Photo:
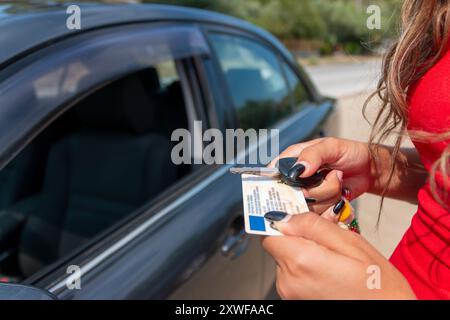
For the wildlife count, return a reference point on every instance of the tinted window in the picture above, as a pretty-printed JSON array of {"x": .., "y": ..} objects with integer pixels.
[
  {"x": 299, "y": 93},
  {"x": 255, "y": 80},
  {"x": 50, "y": 78},
  {"x": 95, "y": 165}
]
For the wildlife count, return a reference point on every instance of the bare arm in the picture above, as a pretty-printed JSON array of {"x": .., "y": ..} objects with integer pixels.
[{"x": 408, "y": 177}]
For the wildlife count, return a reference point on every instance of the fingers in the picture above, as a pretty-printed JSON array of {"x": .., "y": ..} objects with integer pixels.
[
  {"x": 294, "y": 150},
  {"x": 279, "y": 283},
  {"x": 333, "y": 213},
  {"x": 327, "y": 194},
  {"x": 318, "y": 155},
  {"x": 285, "y": 249},
  {"x": 311, "y": 226},
  {"x": 356, "y": 186}
]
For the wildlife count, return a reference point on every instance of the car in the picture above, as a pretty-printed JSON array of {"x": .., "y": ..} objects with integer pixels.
[{"x": 92, "y": 207}]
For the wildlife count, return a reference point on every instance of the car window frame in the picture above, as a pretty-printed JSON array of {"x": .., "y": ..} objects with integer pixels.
[
  {"x": 49, "y": 275},
  {"x": 281, "y": 57},
  {"x": 22, "y": 69},
  {"x": 269, "y": 50},
  {"x": 286, "y": 67}
]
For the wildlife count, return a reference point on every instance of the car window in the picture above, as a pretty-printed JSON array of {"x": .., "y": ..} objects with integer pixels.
[
  {"x": 47, "y": 80},
  {"x": 91, "y": 168},
  {"x": 167, "y": 73},
  {"x": 254, "y": 78},
  {"x": 299, "y": 94}
]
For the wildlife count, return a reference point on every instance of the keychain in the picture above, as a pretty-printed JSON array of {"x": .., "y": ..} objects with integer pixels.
[
  {"x": 347, "y": 219},
  {"x": 282, "y": 172}
]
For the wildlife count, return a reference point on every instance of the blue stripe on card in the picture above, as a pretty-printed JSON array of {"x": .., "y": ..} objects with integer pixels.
[{"x": 257, "y": 223}]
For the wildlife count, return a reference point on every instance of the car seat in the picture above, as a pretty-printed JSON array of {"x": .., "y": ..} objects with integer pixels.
[{"x": 97, "y": 175}]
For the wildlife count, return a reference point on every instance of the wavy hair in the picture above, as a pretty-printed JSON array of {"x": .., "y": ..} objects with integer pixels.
[{"x": 424, "y": 36}]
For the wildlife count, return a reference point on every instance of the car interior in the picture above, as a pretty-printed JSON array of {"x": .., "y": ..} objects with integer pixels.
[{"x": 97, "y": 163}]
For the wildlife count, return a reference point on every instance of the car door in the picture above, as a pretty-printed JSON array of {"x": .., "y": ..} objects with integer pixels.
[
  {"x": 298, "y": 115},
  {"x": 295, "y": 108},
  {"x": 167, "y": 234},
  {"x": 190, "y": 244},
  {"x": 191, "y": 231}
]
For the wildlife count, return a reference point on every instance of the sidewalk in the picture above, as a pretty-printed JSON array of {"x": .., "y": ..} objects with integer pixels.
[
  {"x": 346, "y": 79},
  {"x": 337, "y": 59}
]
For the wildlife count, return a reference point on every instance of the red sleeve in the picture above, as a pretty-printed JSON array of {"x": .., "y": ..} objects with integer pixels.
[{"x": 423, "y": 255}]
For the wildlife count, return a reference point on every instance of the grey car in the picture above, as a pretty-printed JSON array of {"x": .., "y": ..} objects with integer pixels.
[{"x": 91, "y": 205}]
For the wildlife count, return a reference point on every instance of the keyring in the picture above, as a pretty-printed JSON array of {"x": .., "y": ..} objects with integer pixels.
[{"x": 347, "y": 218}]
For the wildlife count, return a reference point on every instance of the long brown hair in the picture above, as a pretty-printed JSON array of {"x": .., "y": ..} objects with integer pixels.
[{"x": 425, "y": 31}]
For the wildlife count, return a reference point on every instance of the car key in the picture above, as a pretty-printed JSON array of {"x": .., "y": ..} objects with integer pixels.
[
  {"x": 285, "y": 164},
  {"x": 282, "y": 170}
]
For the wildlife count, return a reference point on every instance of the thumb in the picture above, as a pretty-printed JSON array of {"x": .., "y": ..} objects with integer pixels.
[
  {"x": 322, "y": 231},
  {"x": 313, "y": 157},
  {"x": 300, "y": 224},
  {"x": 293, "y": 225}
]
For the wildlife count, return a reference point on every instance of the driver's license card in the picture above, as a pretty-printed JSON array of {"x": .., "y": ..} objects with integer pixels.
[{"x": 263, "y": 194}]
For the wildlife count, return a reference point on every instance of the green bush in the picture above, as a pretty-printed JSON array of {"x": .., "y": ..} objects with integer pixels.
[
  {"x": 353, "y": 47},
  {"x": 333, "y": 22},
  {"x": 326, "y": 49}
]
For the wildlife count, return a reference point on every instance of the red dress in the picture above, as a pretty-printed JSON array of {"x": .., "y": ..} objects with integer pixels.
[{"x": 423, "y": 255}]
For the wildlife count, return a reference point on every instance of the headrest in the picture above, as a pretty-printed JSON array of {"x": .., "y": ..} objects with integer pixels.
[
  {"x": 150, "y": 79},
  {"x": 124, "y": 105}
]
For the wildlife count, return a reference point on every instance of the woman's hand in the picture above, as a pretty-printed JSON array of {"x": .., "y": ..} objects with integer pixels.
[
  {"x": 316, "y": 259},
  {"x": 350, "y": 160},
  {"x": 362, "y": 172}
]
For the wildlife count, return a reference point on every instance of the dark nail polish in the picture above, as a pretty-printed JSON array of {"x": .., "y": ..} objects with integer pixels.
[
  {"x": 339, "y": 206},
  {"x": 346, "y": 193},
  {"x": 310, "y": 200},
  {"x": 272, "y": 225},
  {"x": 296, "y": 170},
  {"x": 275, "y": 215},
  {"x": 285, "y": 164}
]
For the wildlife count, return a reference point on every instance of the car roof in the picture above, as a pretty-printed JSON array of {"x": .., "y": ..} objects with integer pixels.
[{"x": 27, "y": 26}]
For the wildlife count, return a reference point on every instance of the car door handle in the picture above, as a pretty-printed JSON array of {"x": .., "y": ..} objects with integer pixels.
[{"x": 235, "y": 244}]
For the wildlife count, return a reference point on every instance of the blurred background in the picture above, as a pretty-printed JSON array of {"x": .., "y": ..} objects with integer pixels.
[
  {"x": 309, "y": 28},
  {"x": 342, "y": 55},
  {"x": 312, "y": 27}
]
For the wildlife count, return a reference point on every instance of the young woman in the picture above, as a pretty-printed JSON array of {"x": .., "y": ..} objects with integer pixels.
[{"x": 319, "y": 260}]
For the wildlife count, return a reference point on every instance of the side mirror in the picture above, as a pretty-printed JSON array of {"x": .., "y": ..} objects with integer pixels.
[{"x": 12, "y": 291}]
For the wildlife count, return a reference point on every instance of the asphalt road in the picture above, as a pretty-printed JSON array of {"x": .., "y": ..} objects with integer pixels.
[{"x": 344, "y": 79}]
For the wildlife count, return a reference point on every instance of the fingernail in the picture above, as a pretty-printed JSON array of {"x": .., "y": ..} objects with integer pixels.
[
  {"x": 310, "y": 200},
  {"x": 273, "y": 226},
  {"x": 296, "y": 171},
  {"x": 347, "y": 193},
  {"x": 340, "y": 175},
  {"x": 338, "y": 207},
  {"x": 277, "y": 216}
]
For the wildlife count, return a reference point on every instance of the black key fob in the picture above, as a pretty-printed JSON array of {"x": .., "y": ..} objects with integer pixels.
[{"x": 285, "y": 164}]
